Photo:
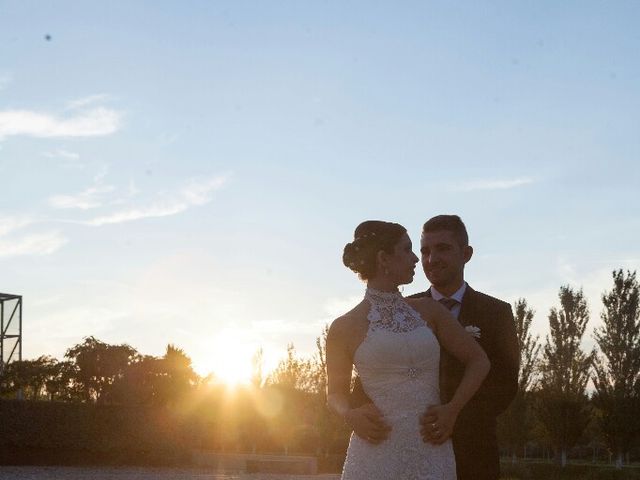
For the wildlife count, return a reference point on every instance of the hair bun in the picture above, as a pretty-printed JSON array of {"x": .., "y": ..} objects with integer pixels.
[
  {"x": 370, "y": 237},
  {"x": 350, "y": 256}
]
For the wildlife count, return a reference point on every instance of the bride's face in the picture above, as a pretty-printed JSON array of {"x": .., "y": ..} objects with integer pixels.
[{"x": 402, "y": 263}]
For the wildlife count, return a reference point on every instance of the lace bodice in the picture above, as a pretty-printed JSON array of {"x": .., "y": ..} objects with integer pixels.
[
  {"x": 389, "y": 311},
  {"x": 398, "y": 364},
  {"x": 399, "y": 358}
]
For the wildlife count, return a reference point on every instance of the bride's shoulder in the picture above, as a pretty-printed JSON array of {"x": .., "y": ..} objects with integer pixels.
[{"x": 350, "y": 320}]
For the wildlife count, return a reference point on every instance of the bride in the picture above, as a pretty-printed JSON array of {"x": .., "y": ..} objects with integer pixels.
[{"x": 394, "y": 344}]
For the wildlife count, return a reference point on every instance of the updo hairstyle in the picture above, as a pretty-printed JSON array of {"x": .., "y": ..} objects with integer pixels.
[{"x": 369, "y": 238}]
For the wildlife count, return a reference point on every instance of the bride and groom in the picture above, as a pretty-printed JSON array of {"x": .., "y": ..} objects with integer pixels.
[{"x": 434, "y": 369}]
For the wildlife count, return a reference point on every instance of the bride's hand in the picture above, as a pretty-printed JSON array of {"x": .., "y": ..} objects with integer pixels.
[
  {"x": 437, "y": 423},
  {"x": 368, "y": 423}
]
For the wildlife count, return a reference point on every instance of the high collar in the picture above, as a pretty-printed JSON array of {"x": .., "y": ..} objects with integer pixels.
[{"x": 381, "y": 296}]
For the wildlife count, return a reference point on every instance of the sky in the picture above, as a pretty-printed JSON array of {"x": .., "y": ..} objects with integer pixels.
[{"x": 189, "y": 172}]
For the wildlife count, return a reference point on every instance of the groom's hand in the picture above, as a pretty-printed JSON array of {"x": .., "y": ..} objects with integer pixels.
[
  {"x": 368, "y": 423},
  {"x": 437, "y": 424}
]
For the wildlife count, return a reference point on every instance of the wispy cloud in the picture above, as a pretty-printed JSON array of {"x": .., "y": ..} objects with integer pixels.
[
  {"x": 97, "y": 121},
  {"x": 90, "y": 198},
  {"x": 93, "y": 196},
  {"x": 43, "y": 243},
  {"x": 35, "y": 244},
  {"x": 65, "y": 158},
  {"x": 151, "y": 211},
  {"x": 61, "y": 153},
  {"x": 195, "y": 193},
  {"x": 89, "y": 100},
  {"x": 484, "y": 184},
  {"x": 9, "y": 224},
  {"x": 199, "y": 192}
]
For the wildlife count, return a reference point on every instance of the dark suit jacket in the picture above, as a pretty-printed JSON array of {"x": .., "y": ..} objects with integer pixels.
[{"x": 474, "y": 437}]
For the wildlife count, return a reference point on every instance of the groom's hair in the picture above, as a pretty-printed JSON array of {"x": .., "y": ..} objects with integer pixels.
[{"x": 450, "y": 223}]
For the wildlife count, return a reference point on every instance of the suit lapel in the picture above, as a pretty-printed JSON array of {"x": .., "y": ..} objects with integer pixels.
[{"x": 467, "y": 307}]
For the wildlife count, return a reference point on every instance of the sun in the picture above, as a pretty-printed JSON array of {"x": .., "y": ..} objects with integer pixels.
[{"x": 230, "y": 357}]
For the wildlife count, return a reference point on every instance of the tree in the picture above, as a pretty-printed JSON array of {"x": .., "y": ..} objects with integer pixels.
[
  {"x": 257, "y": 363},
  {"x": 565, "y": 370},
  {"x": 98, "y": 366},
  {"x": 293, "y": 372},
  {"x": 528, "y": 344},
  {"x": 516, "y": 423},
  {"x": 149, "y": 380},
  {"x": 298, "y": 383},
  {"x": 617, "y": 369},
  {"x": 59, "y": 384},
  {"x": 29, "y": 376},
  {"x": 139, "y": 382},
  {"x": 177, "y": 377},
  {"x": 320, "y": 364}
]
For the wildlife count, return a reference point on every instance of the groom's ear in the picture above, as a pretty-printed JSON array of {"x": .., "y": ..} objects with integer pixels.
[{"x": 468, "y": 253}]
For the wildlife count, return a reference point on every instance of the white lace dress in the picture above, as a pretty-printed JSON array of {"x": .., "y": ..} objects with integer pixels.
[{"x": 398, "y": 363}]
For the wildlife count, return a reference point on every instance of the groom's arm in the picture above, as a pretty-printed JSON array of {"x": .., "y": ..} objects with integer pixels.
[{"x": 501, "y": 385}]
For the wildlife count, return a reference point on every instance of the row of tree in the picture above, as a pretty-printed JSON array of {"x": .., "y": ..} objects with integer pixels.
[
  {"x": 567, "y": 395},
  {"x": 94, "y": 371}
]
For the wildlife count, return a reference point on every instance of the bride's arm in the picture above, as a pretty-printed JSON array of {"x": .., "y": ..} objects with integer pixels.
[
  {"x": 366, "y": 420},
  {"x": 438, "y": 422},
  {"x": 339, "y": 367}
]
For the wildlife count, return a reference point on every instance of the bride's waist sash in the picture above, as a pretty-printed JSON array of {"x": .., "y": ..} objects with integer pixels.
[
  {"x": 393, "y": 374},
  {"x": 401, "y": 390}
]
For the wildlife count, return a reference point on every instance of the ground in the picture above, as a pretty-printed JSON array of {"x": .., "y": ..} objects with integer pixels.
[{"x": 130, "y": 473}]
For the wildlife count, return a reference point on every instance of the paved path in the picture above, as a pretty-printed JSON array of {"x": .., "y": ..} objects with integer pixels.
[{"x": 131, "y": 473}]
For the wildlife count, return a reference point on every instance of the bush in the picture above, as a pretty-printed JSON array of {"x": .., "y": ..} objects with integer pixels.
[{"x": 47, "y": 433}]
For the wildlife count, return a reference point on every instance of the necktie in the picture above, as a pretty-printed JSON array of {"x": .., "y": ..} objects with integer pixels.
[{"x": 448, "y": 302}]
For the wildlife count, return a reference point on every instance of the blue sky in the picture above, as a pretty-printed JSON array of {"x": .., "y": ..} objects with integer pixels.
[{"x": 188, "y": 172}]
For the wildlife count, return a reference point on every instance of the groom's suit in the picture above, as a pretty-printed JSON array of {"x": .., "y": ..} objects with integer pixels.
[{"x": 474, "y": 436}]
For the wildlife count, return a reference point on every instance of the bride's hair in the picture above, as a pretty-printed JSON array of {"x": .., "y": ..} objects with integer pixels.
[{"x": 370, "y": 237}]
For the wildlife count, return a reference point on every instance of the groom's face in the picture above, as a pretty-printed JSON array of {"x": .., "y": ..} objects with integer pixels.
[{"x": 443, "y": 259}]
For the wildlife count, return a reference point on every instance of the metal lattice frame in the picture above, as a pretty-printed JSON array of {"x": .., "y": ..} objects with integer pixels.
[{"x": 10, "y": 329}]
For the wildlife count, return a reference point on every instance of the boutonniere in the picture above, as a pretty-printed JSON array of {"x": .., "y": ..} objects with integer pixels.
[{"x": 473, "y": 331}]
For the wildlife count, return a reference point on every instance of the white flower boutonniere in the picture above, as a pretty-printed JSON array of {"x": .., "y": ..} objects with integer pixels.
[{"x": 473, "y": 331}]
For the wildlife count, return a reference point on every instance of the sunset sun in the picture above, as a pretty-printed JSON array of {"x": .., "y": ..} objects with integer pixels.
[{"x": 230, "y": 359}]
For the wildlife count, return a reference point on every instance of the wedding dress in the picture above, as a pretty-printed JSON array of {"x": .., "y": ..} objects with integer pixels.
[{"x": 398, "y": 364}]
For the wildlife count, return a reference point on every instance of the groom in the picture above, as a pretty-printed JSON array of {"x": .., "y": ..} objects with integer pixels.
[{"x": 445, "y": 250}]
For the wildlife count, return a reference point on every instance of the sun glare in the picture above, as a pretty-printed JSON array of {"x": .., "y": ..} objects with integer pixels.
[{"x": 230, "y": 359}]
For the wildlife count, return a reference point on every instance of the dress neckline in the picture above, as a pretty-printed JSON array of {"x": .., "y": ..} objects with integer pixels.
[{"x": 380, "y": 296}]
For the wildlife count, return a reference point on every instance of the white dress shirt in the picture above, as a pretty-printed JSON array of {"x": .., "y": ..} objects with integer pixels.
[{"x": 455, "y": 311}]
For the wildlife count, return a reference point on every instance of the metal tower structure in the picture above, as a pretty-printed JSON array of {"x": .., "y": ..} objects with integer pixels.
[{"x": 10, "y": 329}]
